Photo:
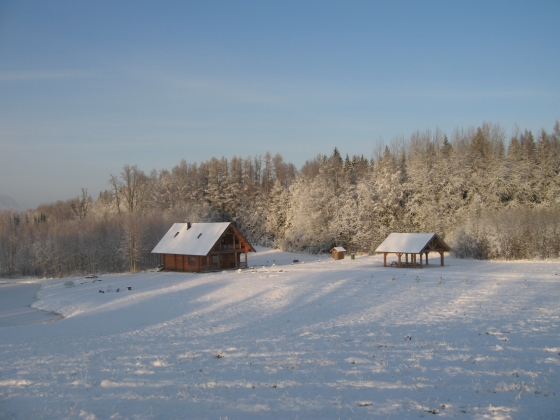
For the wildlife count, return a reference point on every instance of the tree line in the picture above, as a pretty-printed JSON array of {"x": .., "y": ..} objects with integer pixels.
[{"x": 487, "y": 195}]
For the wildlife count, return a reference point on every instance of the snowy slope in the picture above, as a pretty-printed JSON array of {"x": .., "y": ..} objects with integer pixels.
[{"x": 319, "y": 339}]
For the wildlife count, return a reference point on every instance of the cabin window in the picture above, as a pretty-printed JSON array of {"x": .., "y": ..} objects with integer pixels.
[
  {"x": 215, "y": 259},
  {"x": 192, "y": 261}
]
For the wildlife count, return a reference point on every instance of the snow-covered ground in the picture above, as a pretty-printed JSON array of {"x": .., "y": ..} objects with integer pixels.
[{"x": 320, "y": 339}]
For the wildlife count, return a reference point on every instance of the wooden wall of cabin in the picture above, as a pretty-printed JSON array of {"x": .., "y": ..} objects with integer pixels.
[
  {"x": 188, "y": 263},
  {"x": 229, "y": 260},
  {"x": 169, "y": 262},
  {"x": 224, "y": 261}
]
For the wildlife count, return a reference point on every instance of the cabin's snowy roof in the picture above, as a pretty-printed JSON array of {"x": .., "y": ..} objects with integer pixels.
[
  {"x": 408, "y": 243},
  {"x": 196, "y": 240},
  {"x": 338, "y": 249}
]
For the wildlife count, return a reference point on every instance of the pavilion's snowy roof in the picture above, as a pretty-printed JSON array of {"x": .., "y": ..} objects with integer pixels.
[
  {"x": 338, "y": 249},
  {"x": 196, "y": 240},
  {"x": 408, "y": 243}
]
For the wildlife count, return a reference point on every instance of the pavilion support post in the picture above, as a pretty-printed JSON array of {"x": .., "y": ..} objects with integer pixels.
[
  {"x": 384, "y": 259},
  {"x": 441, "y": 257},
  {"x": 399, "y": 254},
  {"x": 427, "y": 258},
  {"x": 406, "y": 258},
  {"x": 420, "y": 260}
]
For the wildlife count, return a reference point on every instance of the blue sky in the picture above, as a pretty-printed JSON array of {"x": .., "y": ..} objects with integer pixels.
[{"x": 88, "y": 86}]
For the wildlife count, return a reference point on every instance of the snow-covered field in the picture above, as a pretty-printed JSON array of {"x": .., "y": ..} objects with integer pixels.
[{"x": 320, "y": 339}]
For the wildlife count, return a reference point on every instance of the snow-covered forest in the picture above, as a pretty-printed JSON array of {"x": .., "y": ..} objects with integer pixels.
[{"x": 488, "y": 195}]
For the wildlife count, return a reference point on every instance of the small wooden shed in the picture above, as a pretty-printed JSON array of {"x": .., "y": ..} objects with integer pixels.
[
  {"x": 411, "y": 244},
  {"x": 196, "y": 247},
  {"x": 338, "y": 253}
]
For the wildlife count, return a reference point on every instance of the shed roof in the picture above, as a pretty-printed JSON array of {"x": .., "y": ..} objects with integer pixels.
[
  {"x": 338, "y": 249},
  {"x": 411, "y": 243},
  {"x": 198, "y": 239}
]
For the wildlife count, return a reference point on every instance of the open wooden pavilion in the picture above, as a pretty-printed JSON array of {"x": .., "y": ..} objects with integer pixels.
[{"x": 411, "y": 245}]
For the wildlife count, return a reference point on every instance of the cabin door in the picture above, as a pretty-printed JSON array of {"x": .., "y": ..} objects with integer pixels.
[{"x": 216, "y": 263}]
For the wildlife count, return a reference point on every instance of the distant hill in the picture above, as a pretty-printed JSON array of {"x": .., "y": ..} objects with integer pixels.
[{"x": 7, "y": 203}]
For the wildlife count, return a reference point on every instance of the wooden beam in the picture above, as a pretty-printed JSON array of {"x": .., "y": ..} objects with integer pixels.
[{"x": 224, "y": 251}]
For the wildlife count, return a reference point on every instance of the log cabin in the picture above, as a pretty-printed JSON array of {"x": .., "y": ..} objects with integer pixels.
[{"x": 196, "y": 247}]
